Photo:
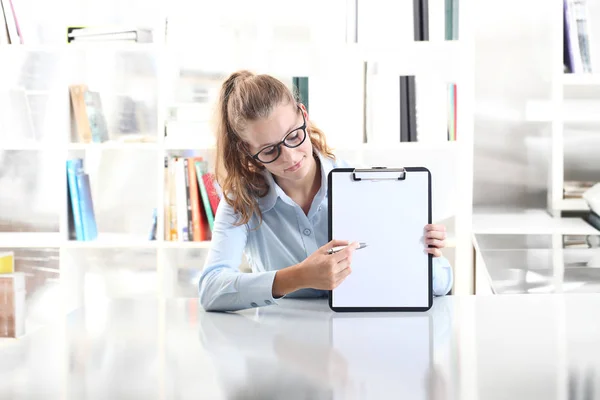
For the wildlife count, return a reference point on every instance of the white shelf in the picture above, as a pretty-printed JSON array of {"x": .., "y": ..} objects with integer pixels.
[
  {"x": 115, "y": 46},
  {"x": 115, "y": 145},
  {"x": 188, "y": 145},
  {"x": 186, "y": 245},
  {"x": 112, "y": 240},
  {"x": 29, "y": 146},
  {"x": 573, "y": 205},
  {"x": 411, "y": 146},
  {"x": 532, "y": 222},
  {"x": 404, "y": 58},
  {"x": 574, "y": 111},
  {"x": 581, "y": 79},
  {"x": 29, "y": 239}
]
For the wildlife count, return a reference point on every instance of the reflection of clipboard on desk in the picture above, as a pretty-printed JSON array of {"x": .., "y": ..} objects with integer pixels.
[
  {"x": 384, "y": 354},
  {"x": 388, "y": 209}
]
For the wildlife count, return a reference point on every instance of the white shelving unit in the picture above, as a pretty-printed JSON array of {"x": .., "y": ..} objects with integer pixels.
[
  {"x": 562, "y": 109},
  {"x": 124, "y": 197}
]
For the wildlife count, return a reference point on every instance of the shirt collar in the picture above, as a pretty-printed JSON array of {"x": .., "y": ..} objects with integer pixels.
[{"x": 268, "y": 202}]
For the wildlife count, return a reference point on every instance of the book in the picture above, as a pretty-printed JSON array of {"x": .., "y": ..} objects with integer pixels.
[
  {"x": 79, "y": 113},
  {"x": 198, "y": 227},
  {"x": 7, "y": 262},
  {"x": 88, "y": 216},
  {"x": 109, "y": 33},
  {"x": 201, "y": 168},
  {"x": 81, "y": 204},
  {"x": 213, "y": 191},
  {"x": 12, "y": 305},
  {"x": 75, "y": 168},
  {"x": 593, "y": 219},
  {"x": 95, "y": 116}
]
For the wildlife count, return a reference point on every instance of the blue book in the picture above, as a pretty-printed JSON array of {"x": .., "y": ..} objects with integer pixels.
[
  {"x": 75, "y": 168},
  {"x": 90, "y": 230}
]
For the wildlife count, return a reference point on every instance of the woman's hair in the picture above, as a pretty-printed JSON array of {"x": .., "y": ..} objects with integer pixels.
[{"x": 245, "y": 97}]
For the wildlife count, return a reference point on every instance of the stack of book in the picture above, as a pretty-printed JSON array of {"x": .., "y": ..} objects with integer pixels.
[
  {"x": 108, "y": 34},
  {"x": 576, "y": 189},
  {"x": 12, "y": 298},
  {"x": 82, "y": 219},
  {"x": 191, "y": 199}
]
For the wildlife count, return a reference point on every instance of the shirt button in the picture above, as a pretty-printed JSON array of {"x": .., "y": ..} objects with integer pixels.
[
  {"x": 253, "y": 304},
  {"x": 268, "y": 301},
  {"x": 320, "y": 207},
  {"x": 307, "y": 231}
]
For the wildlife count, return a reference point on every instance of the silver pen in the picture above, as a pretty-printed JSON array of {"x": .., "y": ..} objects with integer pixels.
[{"x": 335, "y": 249}]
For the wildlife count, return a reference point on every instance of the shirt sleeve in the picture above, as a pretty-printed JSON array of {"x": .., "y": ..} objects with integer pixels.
[
  {"x": 222, "y": 286},
  {"x": 442, "y": 276}
]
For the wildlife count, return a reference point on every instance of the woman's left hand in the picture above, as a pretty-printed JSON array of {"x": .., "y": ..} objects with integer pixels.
[{"x": 435, "y": 235}]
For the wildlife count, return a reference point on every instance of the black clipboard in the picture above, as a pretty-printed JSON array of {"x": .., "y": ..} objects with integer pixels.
[{"x": 388, "y": 209}]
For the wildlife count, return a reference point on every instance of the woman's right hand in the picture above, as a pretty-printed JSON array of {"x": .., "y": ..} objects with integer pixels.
[{"x": 326, "y": 271}]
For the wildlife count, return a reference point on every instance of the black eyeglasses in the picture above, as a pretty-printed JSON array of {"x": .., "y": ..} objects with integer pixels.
[{"x": 293, "y": 139}]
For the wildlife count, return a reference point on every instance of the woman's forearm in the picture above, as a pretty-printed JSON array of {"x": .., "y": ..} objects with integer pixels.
[{"x": 287, "y": 280}]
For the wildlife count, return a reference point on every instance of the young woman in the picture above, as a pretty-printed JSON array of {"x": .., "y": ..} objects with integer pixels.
[{"x": 272, "y": 166}]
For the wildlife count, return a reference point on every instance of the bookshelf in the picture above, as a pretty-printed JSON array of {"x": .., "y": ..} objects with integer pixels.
[
  {"x": 127, "y": 171},
  {"x": 572, "y": 104}
]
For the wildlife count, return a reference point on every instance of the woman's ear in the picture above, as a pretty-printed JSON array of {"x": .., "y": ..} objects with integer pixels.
[{"x": 304, "y": 110}]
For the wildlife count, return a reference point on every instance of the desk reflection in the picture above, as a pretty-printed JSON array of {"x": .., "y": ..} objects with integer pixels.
[{"x": 285, "y": 354}]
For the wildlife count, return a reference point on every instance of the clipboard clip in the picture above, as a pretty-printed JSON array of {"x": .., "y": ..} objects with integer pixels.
[{"x": 378, "y": 173}]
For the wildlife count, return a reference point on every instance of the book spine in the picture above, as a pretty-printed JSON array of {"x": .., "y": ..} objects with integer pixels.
[
  {"x": 182, "y": 216},
  {"x": 188, "y": 203},
  {"x": 7, "y": 262},
  {"x": 213, "y": 196},
  {"x": 74, "y": 168},
  {"x": 194, "y": 200},
  {"x": 200, "y": 172},
  {"x": 88, "y": 217},
  {"x": 594, "y": 220},
  {"x": 166, "y": 201},
  {"x": 173, "y": 224}
]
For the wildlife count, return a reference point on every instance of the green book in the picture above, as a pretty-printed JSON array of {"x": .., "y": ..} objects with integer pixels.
[{"x": 201, "y": 167}]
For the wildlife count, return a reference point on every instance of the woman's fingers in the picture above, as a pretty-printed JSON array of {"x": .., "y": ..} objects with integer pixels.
[
  {"x": 440, "y": 244},
  {"x": 436, "y": 235},
  {"x": 434, "y": 227},
  {"x": 434, "y": 251}
]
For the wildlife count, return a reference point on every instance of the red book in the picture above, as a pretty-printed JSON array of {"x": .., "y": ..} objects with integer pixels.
[{"x": 213, "y": 197}]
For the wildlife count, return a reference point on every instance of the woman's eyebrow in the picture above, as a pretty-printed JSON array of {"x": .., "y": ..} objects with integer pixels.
[{"x": 272, "y": 143}]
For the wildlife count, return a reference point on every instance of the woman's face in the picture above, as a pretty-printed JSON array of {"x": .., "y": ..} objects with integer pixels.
[{"x": 264, "y": 135}]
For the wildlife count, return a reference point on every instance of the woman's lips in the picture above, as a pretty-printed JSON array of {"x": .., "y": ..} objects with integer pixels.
[{"x": 294, "y": 167}]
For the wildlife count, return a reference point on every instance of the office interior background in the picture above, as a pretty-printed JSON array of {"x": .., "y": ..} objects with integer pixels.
[
  {"x": 104, "y": 104},
  {"x": 512, "y": 149}
]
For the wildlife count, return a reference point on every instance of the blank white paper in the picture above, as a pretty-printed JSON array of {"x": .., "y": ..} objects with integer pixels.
[{"x": 390, "y": 216}]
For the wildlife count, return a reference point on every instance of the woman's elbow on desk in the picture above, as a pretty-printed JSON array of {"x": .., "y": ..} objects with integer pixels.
[{"x": 214, "y": 293}]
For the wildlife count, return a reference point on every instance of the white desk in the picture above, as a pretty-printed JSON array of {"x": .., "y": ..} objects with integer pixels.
[{"x": 485, "y": 347}]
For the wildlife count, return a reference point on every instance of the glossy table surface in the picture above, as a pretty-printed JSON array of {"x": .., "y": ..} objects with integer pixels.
[
  {"x": 473, "y": 347},
  {"x": 539, "y": 263}
]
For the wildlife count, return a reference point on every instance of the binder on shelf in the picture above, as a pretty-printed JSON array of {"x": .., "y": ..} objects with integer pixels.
[
  {"x": 421, "y": 19},
  {"x": 388, "y": 209}
]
